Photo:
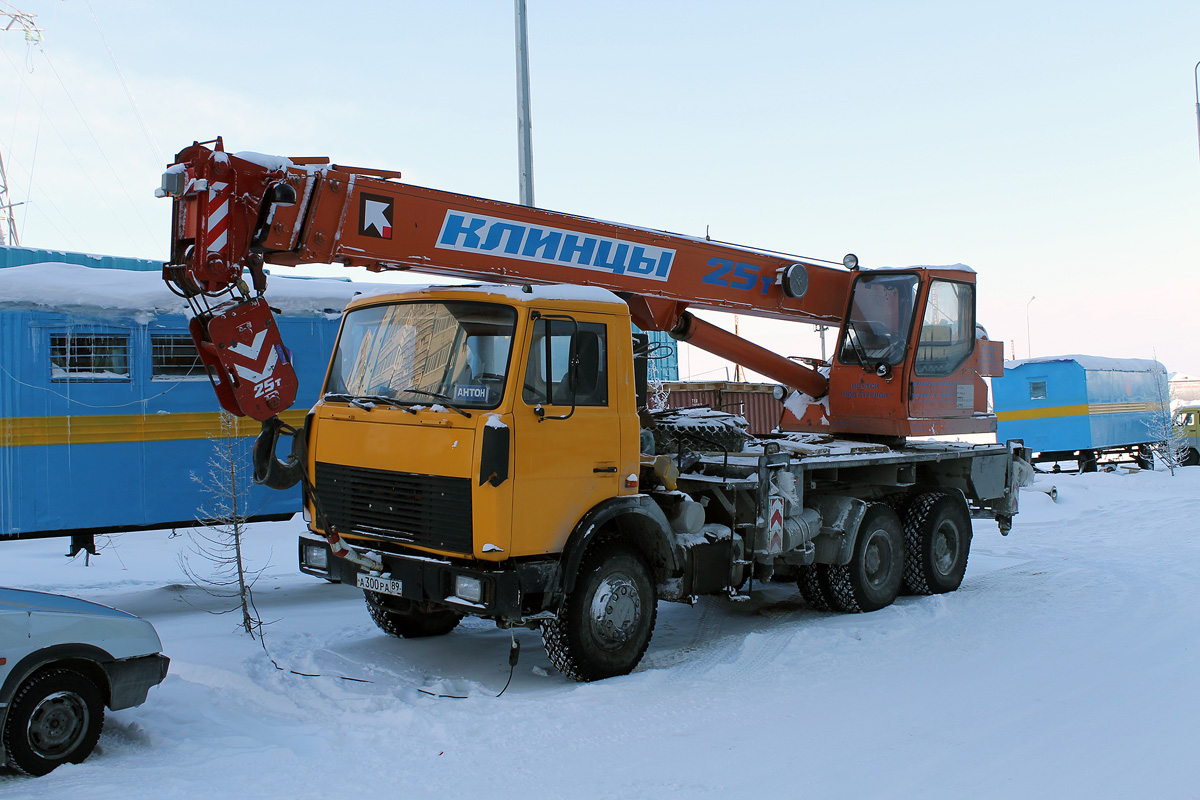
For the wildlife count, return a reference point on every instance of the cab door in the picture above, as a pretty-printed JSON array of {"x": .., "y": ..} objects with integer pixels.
[{"x": 567, "y": 437}]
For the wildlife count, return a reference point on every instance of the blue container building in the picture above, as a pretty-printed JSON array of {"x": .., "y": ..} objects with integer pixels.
[{"x": 1082, "y": 408}]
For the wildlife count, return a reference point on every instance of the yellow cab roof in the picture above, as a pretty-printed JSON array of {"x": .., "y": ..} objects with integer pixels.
[{"x": 565, "y": 297}]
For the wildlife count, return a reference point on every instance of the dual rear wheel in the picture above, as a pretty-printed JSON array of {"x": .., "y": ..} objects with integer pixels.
[{"x": 922, "y": 552}]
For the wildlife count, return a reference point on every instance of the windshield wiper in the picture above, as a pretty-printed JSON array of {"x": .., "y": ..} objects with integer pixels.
[
  {"x": 437, "y": 396},
  {"x": 361, "y": 401}
]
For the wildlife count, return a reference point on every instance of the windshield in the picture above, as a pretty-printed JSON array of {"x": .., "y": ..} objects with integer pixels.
[
  {"x": 425, "y": 352},
  {"x": 880, "y": 319}
]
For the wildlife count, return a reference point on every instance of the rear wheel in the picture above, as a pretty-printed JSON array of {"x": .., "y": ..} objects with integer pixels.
[
  {"x": 399, "y": 616},
  {"x": 814, "y": 587},
  {"x": 607, "y": 620},
  {"x": 872, "y": 579},
  {"x": 937, "y": 533},
  {"x": 55, "y": 718},
  {"x": 1145, "y": 457}
]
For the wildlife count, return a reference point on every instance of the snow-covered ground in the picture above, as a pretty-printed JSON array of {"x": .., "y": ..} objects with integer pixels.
[{"x": 1067, "y": 666}]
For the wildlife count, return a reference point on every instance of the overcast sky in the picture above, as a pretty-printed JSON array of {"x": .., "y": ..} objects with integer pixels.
[{"x": 1051, "y": 146}]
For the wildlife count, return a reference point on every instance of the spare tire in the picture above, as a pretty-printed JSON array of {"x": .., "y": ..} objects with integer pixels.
[{"x": 699, "y": 430}]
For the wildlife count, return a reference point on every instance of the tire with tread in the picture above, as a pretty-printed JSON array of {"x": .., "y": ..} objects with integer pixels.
[
  {"x": 607, "y": 620},
  {"x": 937, "y": 534},
  {"x": 873, "y": 578},
  {"x": 54, "y": 718},
  {"x": 1191, "y": 458},
  {"x": 399, "y": 616},
  {"x": 720, "y": 435},
  {"x": 814, "y": 587}
]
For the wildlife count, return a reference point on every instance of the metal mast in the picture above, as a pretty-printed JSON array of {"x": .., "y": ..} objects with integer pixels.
[
  {"x": 8, "y": 225},
  {"x": 12, "y": 18},
  {"x": 524, "y": 134}
]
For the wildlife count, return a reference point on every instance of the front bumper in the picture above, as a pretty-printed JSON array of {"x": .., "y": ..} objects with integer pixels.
[
  {"x": 511, "y": 592},
  {"x": 131, "y": 678}
]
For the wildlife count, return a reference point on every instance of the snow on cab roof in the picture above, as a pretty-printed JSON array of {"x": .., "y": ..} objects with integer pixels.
[
  {"x": 1093, "y": 363},
  {"x": 74, "y": 289},
  {"x": 556, "y": 291}
]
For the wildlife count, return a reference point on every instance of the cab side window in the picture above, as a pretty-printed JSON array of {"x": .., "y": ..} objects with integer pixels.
[
  {"x": 549, "y": 377},
  {"x": 948, "y": 329}
]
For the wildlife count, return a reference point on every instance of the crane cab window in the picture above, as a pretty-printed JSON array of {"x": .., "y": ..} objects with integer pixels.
[
  {"x": 948, "y": 329},
  {"x": 549, "y": 377},
  {"x": 881, "y": 312}
]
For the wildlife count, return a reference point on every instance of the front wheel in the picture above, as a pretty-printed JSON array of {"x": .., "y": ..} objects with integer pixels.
[
  {"x": 1191, "y": 458},
  {"x": 399, "y": 616},
  {"x": 55, "y": 718},
  {"x": 607, "y": 620}
]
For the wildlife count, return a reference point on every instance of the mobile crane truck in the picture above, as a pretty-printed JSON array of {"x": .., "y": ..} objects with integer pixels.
[{"x": 482, "y": 450}]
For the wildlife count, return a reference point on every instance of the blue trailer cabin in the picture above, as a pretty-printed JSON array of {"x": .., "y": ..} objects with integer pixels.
[
  {"x": 105, "y": 413},
  {"x": 1081, "y": 408}
]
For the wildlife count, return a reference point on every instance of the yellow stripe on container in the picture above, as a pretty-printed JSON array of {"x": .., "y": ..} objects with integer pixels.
[
  {"x": 1051, "y": 412},
  {"x": 1042, "y": 413},
  {"x": 118, "y": 428}
]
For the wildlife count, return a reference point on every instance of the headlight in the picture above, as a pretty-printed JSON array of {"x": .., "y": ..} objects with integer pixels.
[
  {"x": 468, "y": 588},
  {"x": 316, "y": 556}
]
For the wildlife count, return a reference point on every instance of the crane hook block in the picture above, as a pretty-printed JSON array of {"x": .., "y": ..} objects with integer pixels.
[
  {"x": 242, "y": 350},
  {"x": 269, "y": 470}
]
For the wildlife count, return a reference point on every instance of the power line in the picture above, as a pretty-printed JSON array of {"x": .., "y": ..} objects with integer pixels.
[{"x": 128, "y": 92}]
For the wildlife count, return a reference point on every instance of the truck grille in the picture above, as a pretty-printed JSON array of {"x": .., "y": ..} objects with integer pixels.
[{"x": 425, "y": 510}]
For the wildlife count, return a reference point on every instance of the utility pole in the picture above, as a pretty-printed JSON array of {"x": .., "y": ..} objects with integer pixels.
[
  {"x": 524, "y": 132},
  {"x": 8, "y": 225},
  {"x": 1196, "y": 79},
  {"x": 33, "y": 34}
]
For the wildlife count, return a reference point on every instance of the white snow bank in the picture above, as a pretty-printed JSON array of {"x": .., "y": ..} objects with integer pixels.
[{"x": 1065, "y": 666}]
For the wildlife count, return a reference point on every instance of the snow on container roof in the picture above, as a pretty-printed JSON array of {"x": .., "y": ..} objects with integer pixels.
[
  {"x": 73, "y": 289},
  {"x": 1093, "y": 363}
]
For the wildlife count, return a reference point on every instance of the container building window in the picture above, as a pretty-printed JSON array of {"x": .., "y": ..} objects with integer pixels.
[
  {"x": 1037, "y": 390},
  {"x": 89, "y": 358},
  {"x": 173, "y": 357}
]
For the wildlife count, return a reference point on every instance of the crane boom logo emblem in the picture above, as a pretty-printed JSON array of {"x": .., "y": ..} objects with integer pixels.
[
  {"x": 506, "y": 238},
  {"x": 375, "y": 216}
]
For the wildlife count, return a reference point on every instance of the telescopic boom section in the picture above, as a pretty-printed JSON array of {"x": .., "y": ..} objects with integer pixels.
[{"x": 235, "y": 211}]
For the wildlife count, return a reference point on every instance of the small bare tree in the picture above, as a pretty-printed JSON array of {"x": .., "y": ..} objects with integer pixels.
[
  {"x": 1170, "y": 445},
  {"x": 223, "y": 518}
]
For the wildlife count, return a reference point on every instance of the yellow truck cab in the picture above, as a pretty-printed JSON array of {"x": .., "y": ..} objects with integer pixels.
[{"x": 477, "y": 438}]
